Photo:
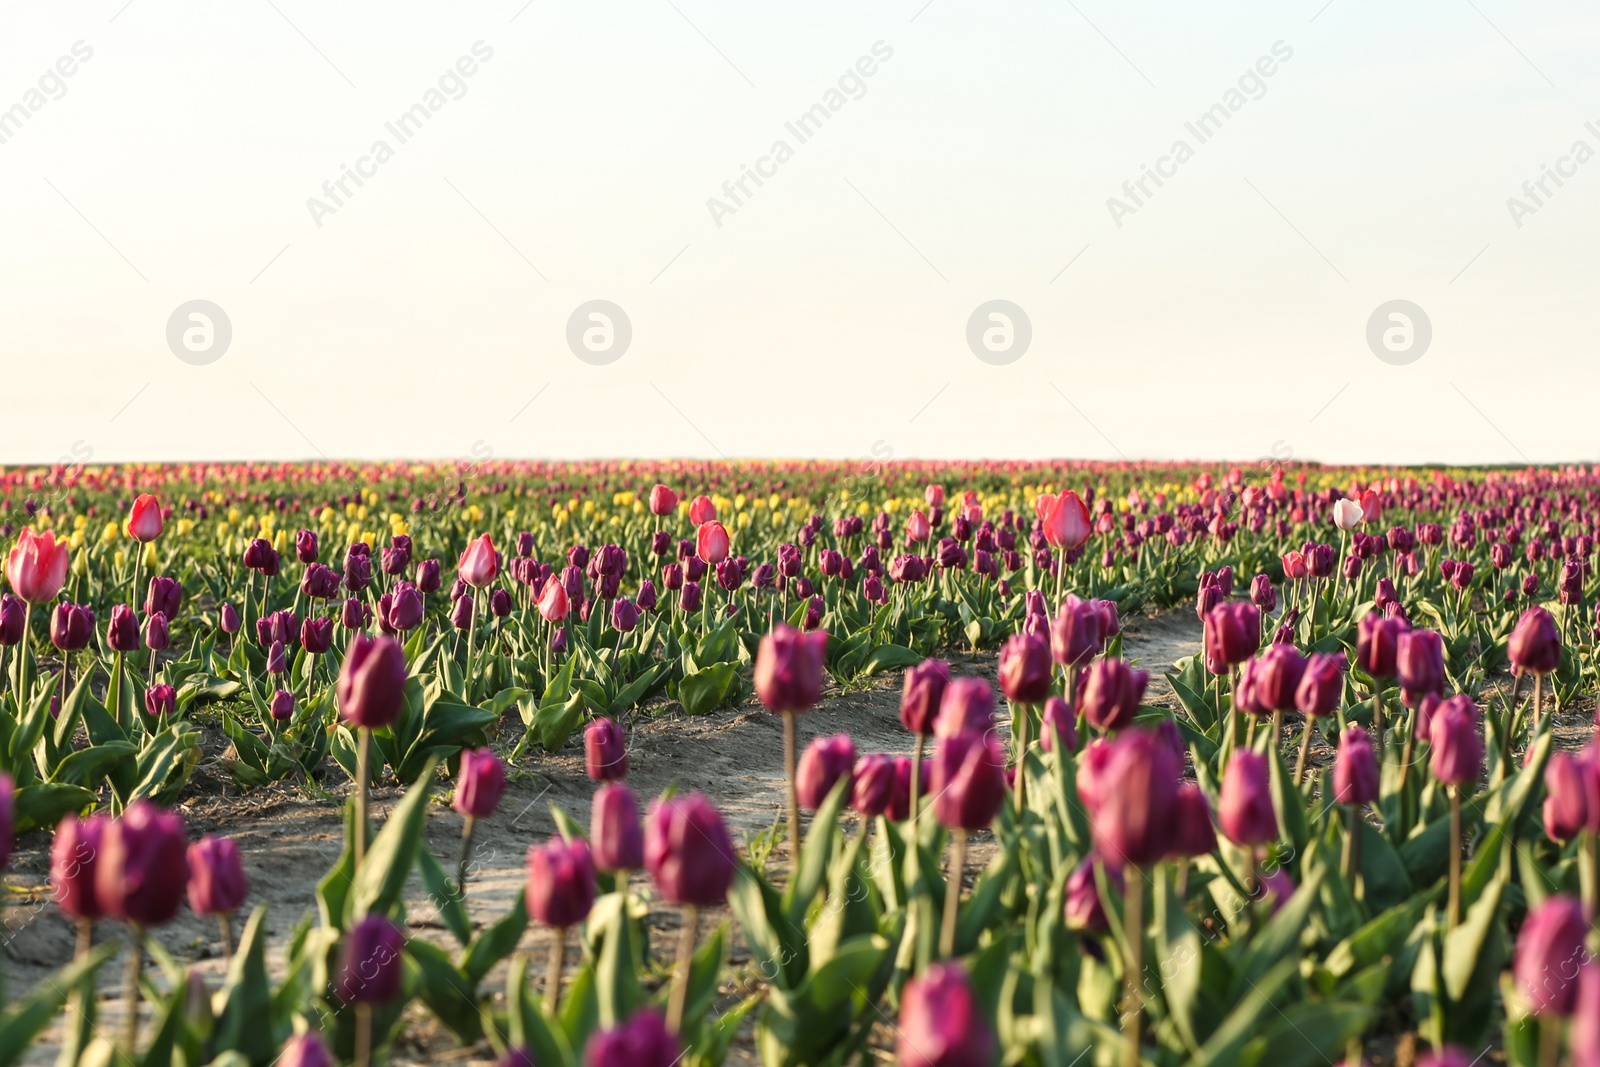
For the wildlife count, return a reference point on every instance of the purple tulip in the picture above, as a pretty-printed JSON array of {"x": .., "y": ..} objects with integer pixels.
[
  {"x": 1355, "y": 769},
  {"x": 968, "y": 780},
  {"x": 561, "y": 884},
  {"x": 1244, "y": 804},
  {"x": 217, "y": 882},
  {"x": 372, "y": 682},
  {"x": 642, "y": 1041},
  {"x": 480, "y": 782},
  {"x": 941, "y": 1021},
  {"x": 1025, "y": 669},
  {"x": 605, "y": 750},
  {"x": 615, "y": 833},
  {"x": 789, "y": 669},
  {"x": 688, "y": 852},
  {"x": 825, "y": 762},
  {"x": 1550, "y": 951},
  {"x": 160, "y": 700},
  {"x": 1457, "y": 748},
  {"x": 370, "y": 968},
  {"x": 921, "y": 693},
  {"x": 143, "y": 866},
  {"x": 1109, "y": 694}
]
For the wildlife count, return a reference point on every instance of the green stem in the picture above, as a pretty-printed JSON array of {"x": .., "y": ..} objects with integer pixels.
[
  {"x": 952, "y": 893},
  {"x": 680, "y": 978},
  {"x": 794, "y": 791},
  {"x": 363, "y": 745},
  {"x": 1133, "y": 933}
]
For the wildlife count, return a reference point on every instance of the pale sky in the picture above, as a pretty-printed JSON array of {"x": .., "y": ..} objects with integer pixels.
[{"x": 967, "y": 154}]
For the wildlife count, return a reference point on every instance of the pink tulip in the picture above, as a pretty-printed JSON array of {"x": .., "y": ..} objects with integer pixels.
[
  {"x": 144, "y": 519},
  {"x": 37, "y": 566},
  {"x": 711, "y": 542},
  {"x": 1065, "y": 518},
  {"x": 479, "y": 564}
]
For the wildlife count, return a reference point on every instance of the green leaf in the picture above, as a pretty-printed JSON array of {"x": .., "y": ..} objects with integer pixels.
[
  {"x": 25, "y": 1019},
  {"x": 42, "y": 804},
  {"x": 446, "y": 991},
  {"x": 707, "y": 687},
  {"x": 445, "y": 894},
  {"x": 890, "y": 658},
  {"x": 814, "y": 855},
  {"x": 529, "y": 1027},
  {"x": 245, "y": 1022},
  {"x": 497, "y": 941},
  {"x": 382, "y": 874}
]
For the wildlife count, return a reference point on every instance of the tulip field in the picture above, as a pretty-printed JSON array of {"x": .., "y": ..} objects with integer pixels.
[{"x": 1358, "y": 824}]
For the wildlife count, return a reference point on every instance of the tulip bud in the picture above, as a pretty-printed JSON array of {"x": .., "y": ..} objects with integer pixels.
[
  {"x": 1058, "y": 720},
  {"x": 1321, "y": 687},
  {"x": 789, "y": 668},
  {"x": 1077, "y": 632},
  {"x": 874, "y": 787},
  {"x": 305, "y": 546},
  {"x": 37, "y": 566},
  {"x": 614, "y": 831},
  {"x": 1419, "y": 660},
  {"x": 941, "y": 1022},
  {"x": 1232, "y": 634},
  {"x": 1567, "y": 783},
  {"x": 74, "y": 853},
  {"x": 144, "y": 519},
  {"x": 1109, "y": 694},
  {"x": 561, "y": 884},
  {"x": 1550, "y": 949},
  {"x": 1192, "y": 831},
  {"x": 688, "y": 852},
  {"x": 160, "y": 700},
  {"x": 316, "y": 636},
  {"x": 1457, "y": 748},
  {"x": 1535, "y": 643},
  {"x": 370, "y": 968},
  {"x": 605, "y": 750},
  {"x": 1083, "y": 909},
  {"x": 479, "y": 563},
  {"x": 13, "y": 616},
  {"x": 624, "y": 615},
  {"x": 1262, "y": 595},
  {"x": 643, "y": 1041},
  {"x": 689, "y": 598},
  {"x": 968, "y": 783},
  {"x": 1377, "y": 644},
  {"x": 155, "y": 633},
  {"x": 217, "y": 882},
  {"x": 966, "y": 706},
  {"x": 824, "y": 763},
  {"x": 305, "y": 1050},
  {"x": 372, "y": 682},
  {"x": 899, "y": 808},
  {"x": 1244, "y": 804},
  {"x": 480, "y": 782},
  {"x": 1355, "y": 769},
  {"x": 143, "y": 866},
  {"x": 1025, "y": 669}
]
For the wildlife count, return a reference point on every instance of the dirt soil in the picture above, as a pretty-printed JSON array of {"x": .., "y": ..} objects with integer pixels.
[{"x": 290, "y": 835}]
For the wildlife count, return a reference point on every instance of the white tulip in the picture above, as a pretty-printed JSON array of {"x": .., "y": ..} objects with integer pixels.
[{"x": 1347, "y": 514}]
